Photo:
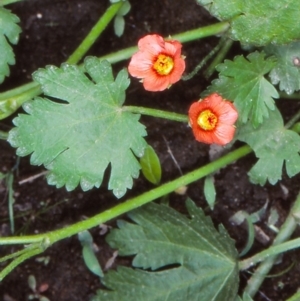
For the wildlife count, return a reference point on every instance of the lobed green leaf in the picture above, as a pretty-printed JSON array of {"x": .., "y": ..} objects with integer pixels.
[
  {"x": 82, "y": 129},
  {"x": 202, "y": 261},
  {"x": 273, "y": 145},
  {"x": 9, "y": 31},
  {"x": 242, "y": 81}
]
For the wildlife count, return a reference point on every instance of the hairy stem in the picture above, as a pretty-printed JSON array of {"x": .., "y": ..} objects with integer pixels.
[
  {"x": 95, "y": 32},
  {"x": 204, "y": 61},
  {"x": 131, "y": 204},
  {"x": 31, "y": 252},
  {"x": 218, "y": 58},
  {"x": 284, "y": 234},
  {"x": 17, "y": 253}
]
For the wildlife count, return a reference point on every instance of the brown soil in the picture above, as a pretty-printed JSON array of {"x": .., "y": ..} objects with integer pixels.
[{"x": 40, "y": 208}]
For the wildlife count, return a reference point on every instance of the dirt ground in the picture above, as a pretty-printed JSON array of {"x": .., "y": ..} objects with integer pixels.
[{"x": 51, "y": 31}]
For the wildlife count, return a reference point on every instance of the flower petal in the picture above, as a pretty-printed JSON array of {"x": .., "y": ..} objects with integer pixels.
[
  {"x": 224, "y": 134},
  {"x": 140, "y": 65},
  {"x": 155, "y": 83},
  {"x": 228, "y": 113},
  {"x": 173, "y": 48},
  {"x": 153, "y": 44},
  {"x": 179, "y": 67},
  {"x": 203, "y": 136}
]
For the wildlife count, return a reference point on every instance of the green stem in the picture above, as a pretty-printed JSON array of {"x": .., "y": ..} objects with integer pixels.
[
  {"x": 18, "y": 253},
  {"x": 156, "y": 113},
  {"x": 200, "y": 33},
  {"x": 11, "y": 100},
  {"x": 204, "y": 61},
  {"x": 32, "y": 252},
  {"x": 219, "y": 58},
  {"x": 284, "y": 234},
  {"x": 267, "y": 254},
  {"x": 54, "y": 236},
  {"x": 95, "y": 32},
  {"x": 188, "y": 36},
  {"x": 6, "y": 2},
  {"x": 17, "y": 91}
]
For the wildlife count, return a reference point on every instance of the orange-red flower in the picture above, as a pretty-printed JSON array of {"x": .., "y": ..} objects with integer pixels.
[
  {"x": 158, "y": 62},
  {"x": 212, "y": 120}
]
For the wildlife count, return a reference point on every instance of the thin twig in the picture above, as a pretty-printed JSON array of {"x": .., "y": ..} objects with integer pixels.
[
  {"x": 34, "y": 177},
  {"x": 171, "y": 154}
]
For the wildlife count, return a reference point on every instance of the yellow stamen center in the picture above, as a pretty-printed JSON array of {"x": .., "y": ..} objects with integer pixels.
[
  {"x": 207, "y": 120},
  {"x": 164, "y": 64}
]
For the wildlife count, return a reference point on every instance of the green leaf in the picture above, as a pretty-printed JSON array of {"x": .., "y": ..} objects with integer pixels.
[
  {"x": 119, "y": 25},
  {"x": 150, "y": 165},
  {"x": 273, "y": 145},
  {"x": 77, "y": 137},
  {"x": 10, "y": 31},
  {"x": 287, "y": 70},
  {"x": 88, "y": 254},
  {"x": 258, "y": 22},
  {"x": 221, "y": 9},
  {"x": 199, "y": 263},
  {"x": 125, "y": 8},
  {"x": 242, "y": 81},
  {"x": 210, "y": 191}
]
